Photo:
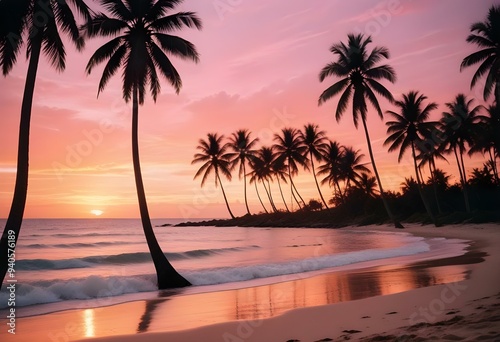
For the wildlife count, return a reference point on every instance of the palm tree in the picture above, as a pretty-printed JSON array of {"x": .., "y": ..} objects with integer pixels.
[
  {"x": 350, "y": 166},
  {"x": 486, "y": 35},
  {"x": 279, "y": 169},
  {"x": 411, "y": 126},
  {"x": 459, "y": 126},
  {"x": 430, "y": 150},
  {"x": 359, "y": 73},
  {"x": 488, "y": 137},
  {"x": 267, "y": 156},
  {"x": 214, "y": 158},
  {"x": 367, "y": 184},
  {"x": 290, "y": 149},
  {"x": 315, "y": 142},
  {"x": 241, "y": 143},
  {"x": 332, "y": 157},
  {"x": 39, "y": 25},
  {"x": 140, "y": 45},
  {"x": 258, "y": 172}
]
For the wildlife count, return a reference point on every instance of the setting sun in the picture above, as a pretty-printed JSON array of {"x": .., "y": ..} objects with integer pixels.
[{"x": 96, "y": 212}]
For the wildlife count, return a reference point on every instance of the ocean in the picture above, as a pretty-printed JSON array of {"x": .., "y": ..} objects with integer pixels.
[{"x": 73, "y": 263}]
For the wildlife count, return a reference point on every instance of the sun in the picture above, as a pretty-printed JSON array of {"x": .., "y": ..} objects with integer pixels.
[{"x": 96, "y": 212}]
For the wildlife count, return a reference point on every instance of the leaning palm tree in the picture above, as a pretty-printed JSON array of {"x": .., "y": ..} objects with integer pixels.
[
  {"x": 459, "y": 125},
  {"x": 141, "y": 46},
  {"x": 267, "y": 156},
  {"x": 486, "y": 35},
  {"x": 38, "y": 24},
  {"x": 409, "y": 127},
  {"x": 359, "y": 75},
  {"x": 330, "y": 168},
  {"x": 242, "y": 145},
  {"x": 290, "y": 149},
  {"x": 213, "y": 155},
  {"x": 315, "y": 142}
]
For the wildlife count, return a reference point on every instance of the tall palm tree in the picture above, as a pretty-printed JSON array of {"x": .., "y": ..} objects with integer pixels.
[
  {"x": 213, "y": 155},
  {"x": 410, "y": 126},
  {"x": 38, "y": 24},
  {"x": 330, "y": 168},
  {"x": 290, "y": 149},
  {"x": 315, "y": 142},
  {"x": 242, "y": 145},
  {"x": 486, "y": 35},
  {"x": 359, "y": 75},
  {"x": 140, "y": 45},
  {"x": 459, "y": 125}
]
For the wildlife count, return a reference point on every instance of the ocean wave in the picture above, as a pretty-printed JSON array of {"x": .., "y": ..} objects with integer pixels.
[
  {"x": 81, "y": 244},
  {"x": 97, "y": 288},
  {"x": 118, "y": 259}
]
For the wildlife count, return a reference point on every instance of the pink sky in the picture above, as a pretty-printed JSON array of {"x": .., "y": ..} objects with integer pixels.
[{"x": 259, "y": 68}]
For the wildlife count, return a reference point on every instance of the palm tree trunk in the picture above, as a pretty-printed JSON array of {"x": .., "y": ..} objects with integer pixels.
[
  {"x": 167, "y": 276},
  {"x": 419, "y": 185},
  {"x": 224, "y": 193},
  {"x": 260, "y": 200},
  {"x": 291, "y": 188},
  {"x": 434, "y": 186},
  {"x": 268, "y": 192},
  {"x": 297, "y": 192},
  {"x": 15, "y": 219},
  {"x": 464, "y": 191},
  {"x": 281, "y": 192},
  {"x": 382, "y": 196},
  {"x": 245, "y": 187},
  {"x": 316, "y": 181}
]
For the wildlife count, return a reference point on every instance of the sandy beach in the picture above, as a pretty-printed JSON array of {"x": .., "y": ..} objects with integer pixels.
[{"x": 383, "y": 303}]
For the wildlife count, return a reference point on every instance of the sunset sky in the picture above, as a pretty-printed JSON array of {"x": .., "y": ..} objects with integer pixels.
[{"x": 259, "y": 69}]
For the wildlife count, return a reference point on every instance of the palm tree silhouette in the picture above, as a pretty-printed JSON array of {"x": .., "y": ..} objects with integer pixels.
[
  {"x": 488, "y": 137},
  {"x": 350, "y": 166},
  {"x": 486, "y": 36},
  {"x": 367, "y": 184},
  {"x": 20, "y": 22},
  {"x": 411, "y": 126},
  {"x": 458, "y": 126},
  {"x": 430, "y": 150},
  {"x": 258, "y": 167},
  {"x": 290, "y": 149},
  {"x": 279, "y": 169},
  {"x": 315, "y": 142},
  {"x": 356, "y": 67},
  {"x": 140, "y": 44},
  {"x": 330, "y": 168},
  {"x": 214, "y": 158},
  {"x": 242, "y": 145}
]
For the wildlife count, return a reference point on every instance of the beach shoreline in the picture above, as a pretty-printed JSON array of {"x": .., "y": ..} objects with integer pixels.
[{"x": 305, "y": 324}]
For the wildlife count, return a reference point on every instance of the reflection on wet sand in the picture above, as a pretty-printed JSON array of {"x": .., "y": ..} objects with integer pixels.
[
  {"x": 272, "y": 300},
  {"x": 178, "y": 310}
]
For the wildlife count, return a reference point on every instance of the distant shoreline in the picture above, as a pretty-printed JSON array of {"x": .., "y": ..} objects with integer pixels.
[{"x": 336, "y": 219}]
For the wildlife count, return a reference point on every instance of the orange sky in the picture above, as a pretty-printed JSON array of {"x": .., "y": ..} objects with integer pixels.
[{"x": 259, "y": 68}]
